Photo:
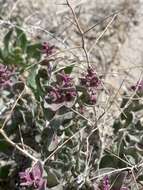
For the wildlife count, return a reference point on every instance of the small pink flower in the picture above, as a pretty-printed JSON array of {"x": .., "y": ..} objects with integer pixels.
[
  {"x": 91, "y": 82},
  {"x": 32, "y": 177},
  {"x": 47, "y": 49},
  {"x": 90, "y": 79},
  {"x": 62, "y": 91},
  {"x": 106, "y": 184},
  {"x": 64, "y": 80},
  {"x": 5, "y": 76}
]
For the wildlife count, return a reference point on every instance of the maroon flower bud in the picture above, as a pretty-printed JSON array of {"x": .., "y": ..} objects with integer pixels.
[
  {"x": 32, "y": 177},
  {"x": 106, "y": 184},
  {"x": 62, "y": 92},
  {"x": 90, "y": 79},
  {"x": 91, "y": 82},
  {"x": 55, "y": 95},
  {"x": 5, "y": 76},
  {"x": 47, "y": 49},
  {"x": 70, "y": 95},
  {"x": 64, "y": 80}
]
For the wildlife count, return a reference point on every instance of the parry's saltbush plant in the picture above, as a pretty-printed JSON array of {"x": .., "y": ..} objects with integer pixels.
[{"x": 47, "y": 139}]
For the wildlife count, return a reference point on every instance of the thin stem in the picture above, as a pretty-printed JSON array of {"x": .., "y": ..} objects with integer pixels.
[
  {"x": 102, "y": 33},
  {"x": 82, "y": 116},
  {"x": 13, "y": 144},
  {"x": 11, "y": 111},
  {"x": 103, "y": 20},
  {"x": 80, "y": 31}
]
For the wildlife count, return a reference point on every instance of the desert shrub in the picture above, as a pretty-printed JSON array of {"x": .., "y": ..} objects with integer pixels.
[{"x": 49, "y": 134}]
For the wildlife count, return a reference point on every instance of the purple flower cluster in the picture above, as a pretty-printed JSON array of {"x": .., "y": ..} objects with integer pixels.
[
  {"x": 106, "y": 184},
  {"x": 63, "y": 90},
  {"x": 138, "y": 87},
  {"x": 47, "y": 49},
  {"x": 32, "y": 177},
  {"x": 5, "y": 76},
  {"x": 91, "y": 82}
]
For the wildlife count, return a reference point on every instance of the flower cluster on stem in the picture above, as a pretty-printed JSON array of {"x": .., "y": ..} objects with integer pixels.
[
  {"x": 47, "y": 49},
  {"x": 91, "y": 82},
  {"x": 33, "y": 177},
  {"x": 5, "y": 76},
  {"x": 63, "y": 90}
]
